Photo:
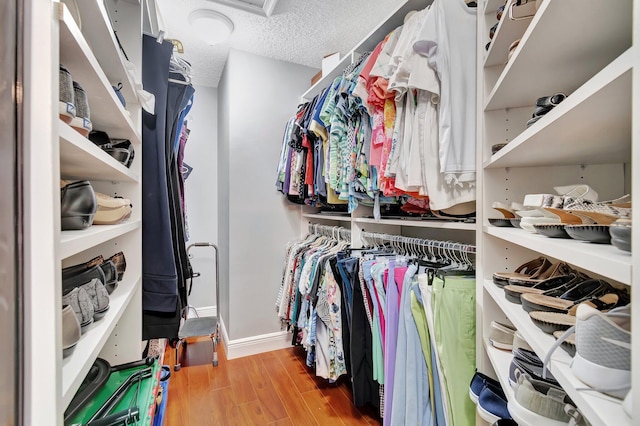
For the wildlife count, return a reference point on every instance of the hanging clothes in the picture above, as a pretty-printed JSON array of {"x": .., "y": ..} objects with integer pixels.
[{"x": 165, "y": 263}]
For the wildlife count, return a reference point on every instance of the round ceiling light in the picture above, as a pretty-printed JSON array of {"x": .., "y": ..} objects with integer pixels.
[{"x": 211, "y": 26}]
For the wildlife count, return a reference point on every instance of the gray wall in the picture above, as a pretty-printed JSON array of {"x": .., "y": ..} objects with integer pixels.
[
  {"x": 201, "y": 191},
  {"x": 223, "y": 194},
  {"x": 256, "y": 98}
]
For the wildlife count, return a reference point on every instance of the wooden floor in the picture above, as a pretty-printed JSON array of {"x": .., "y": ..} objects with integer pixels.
[{"x": 274, "y": 388}]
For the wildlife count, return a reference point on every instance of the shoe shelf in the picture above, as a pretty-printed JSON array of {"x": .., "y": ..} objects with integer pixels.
[
  {"x": 571, "y": 40},
  {"x": 602, "y": 259},
  {"x": 100, "y": 36},
  {"x": 73, "y": 242},
  {"x": 395, "y": 19},
  {"x": 500, "y": 361},
  {"x": 107, "y": 112},
  {"x": 599, "y": 409},
  {"x": 81, "y": 159},
  {"x": 592, "y": 126},
  {"x": 76, "y": 366},
  {"x": 437, "y": 224},
  {"x": 507, "y": 32}
]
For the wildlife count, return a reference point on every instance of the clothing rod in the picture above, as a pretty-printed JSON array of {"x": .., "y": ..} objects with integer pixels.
[
  {"x": 373, "y": 237},
  {"x": 337, "y": 232}
]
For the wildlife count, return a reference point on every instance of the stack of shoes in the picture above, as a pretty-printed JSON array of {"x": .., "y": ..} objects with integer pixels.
[
  {"x": 120, "y": 149},
  {"x": 111, "y": 210},
  {"x": 73, "y": 104},
  {"x": 537, "y": 402},
  {"x": 620, "y": 232},
  {"x": 487, "y": 394},
  {"x": 527, "y": 362},
  {"x": 544, "y": 105},
  {"x": 109, "y": 271}
]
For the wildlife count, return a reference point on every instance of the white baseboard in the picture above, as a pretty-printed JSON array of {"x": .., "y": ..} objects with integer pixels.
[
  {"x": 258, "y": 344},
  {"x": 249, "y": 345}
]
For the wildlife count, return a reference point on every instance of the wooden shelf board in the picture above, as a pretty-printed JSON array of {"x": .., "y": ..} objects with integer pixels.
[
  {"x": 571, "y": 40},
  {"x": 598, "y": 408},
  {"x": 420, "y": 223},
  {"x": 106, "y": 111},
  {"x": 76, "y": 366},
  {"x": 337, "y": 218},
  {"x": 592, "y": 126},
  {"x": 82, "y": 159},
  {"x": 73, "y": 242},
  {"x": 602, "y": 259}
]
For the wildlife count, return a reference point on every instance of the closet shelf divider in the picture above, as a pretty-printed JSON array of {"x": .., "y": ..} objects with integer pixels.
[
  {"x": 73, "y": 242},
  {"x": 604, "y": 33},
  {"x": 602, "y": 259},
  {"x": 81, "y": 159},
  {"x": 592, "y": 126},
  {"x": 107, "y": 112},
  {"x": 100, "y": 36}
]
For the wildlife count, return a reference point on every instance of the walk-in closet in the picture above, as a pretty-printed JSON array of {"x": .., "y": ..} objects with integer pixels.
[{"x": 306, "y": 212}]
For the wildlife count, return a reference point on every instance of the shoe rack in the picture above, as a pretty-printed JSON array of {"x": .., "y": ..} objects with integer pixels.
[
  {"x": 82, "y": 39},
  {"x": 584, "y": 49}
]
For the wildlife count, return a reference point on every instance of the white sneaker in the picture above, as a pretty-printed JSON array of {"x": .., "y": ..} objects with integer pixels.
[{"x": 603, "y": 349}]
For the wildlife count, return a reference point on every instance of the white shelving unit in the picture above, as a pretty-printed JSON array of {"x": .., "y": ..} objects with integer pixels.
[
  {"x": 585, "y": 50},
  {"x": 57, "y": 152}
]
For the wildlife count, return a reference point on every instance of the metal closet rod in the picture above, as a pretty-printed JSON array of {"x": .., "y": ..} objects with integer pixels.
[
  {"x": 336, "y": 232},
  {"x": 412, "y": 242}
]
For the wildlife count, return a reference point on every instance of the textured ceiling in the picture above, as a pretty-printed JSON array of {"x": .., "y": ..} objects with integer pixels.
[{"x": 299, "y": 31}]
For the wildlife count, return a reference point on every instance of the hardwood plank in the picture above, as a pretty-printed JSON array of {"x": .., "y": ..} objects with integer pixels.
[
  {"x": 342, "y": 405},
  {"x": 253, "y": 413},
  {"x": 243, "y": 390},
  {"x": 296, "y": 408},
  {"x": 260, "y": 389},
  {"x": 295, "y": 365},
  {"x": 265, "y": 390},
  {"x": 320, "y": 408},
  {"x": 222, "y": 409},
  {"x": 283, "y": 422}
]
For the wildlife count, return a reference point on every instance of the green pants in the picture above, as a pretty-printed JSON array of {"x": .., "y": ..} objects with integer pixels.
[{"x": 454, "y": 315}]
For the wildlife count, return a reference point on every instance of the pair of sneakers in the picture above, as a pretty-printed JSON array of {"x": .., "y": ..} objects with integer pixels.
[
  {"x": 73, "y": 103},
  {"x": 488, "y": 395}
]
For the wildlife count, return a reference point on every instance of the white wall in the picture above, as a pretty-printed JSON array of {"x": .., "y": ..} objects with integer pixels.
[
  {"x": 258, "y": 95},
  {"x": 201, "y": 191}
]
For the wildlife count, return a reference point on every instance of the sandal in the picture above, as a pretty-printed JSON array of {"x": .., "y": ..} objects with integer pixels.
[
  {"x": 550, "y": 322},
  {"x": 563, "y": 303},
  {"x": 514, "y": 292},
  {"x": 569, "y": 343},
  {"x": 555, "y": 270},
  {"x": 526, "y": 270}
]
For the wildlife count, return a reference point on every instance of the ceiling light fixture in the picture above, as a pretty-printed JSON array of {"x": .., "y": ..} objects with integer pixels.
[{"x": 211, "y": 26}]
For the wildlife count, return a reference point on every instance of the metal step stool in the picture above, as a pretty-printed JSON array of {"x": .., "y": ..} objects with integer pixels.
[{"x": 201, "y": 326}]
